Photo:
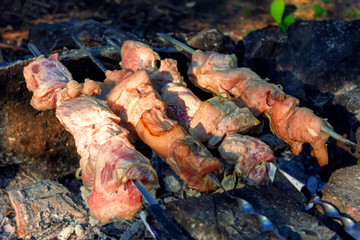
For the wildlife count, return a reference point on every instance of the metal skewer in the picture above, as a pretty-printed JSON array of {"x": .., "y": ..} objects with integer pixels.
[
  {"x": 114, "y": 44},
  {"x": 34, "y": 50},
  {"x": 325, "y": 129},
  {"x": 81, "y": 45},
  {"x": 265, "y": 224}
]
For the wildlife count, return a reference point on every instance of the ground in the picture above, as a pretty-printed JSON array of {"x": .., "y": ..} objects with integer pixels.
[{"x": 146, "y": 17}]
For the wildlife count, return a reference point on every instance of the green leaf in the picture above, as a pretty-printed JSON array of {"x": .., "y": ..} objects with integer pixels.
[
  {"x": 289, "y": 19},
  {"x": 318, "y": 11},
  {"x": 277, "y": 10}
]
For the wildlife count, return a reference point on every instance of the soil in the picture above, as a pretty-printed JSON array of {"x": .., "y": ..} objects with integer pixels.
[{"x": 146, "y": 17}]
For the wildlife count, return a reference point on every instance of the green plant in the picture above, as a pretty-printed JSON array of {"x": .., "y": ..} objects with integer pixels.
[
  {"x": 318, "y": 11},
  {"x": 277, "y": 10}
]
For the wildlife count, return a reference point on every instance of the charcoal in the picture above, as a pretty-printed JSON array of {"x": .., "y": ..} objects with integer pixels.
[
  {"x": 217, "y": 216},
  {"x": 44, "y": 209}
]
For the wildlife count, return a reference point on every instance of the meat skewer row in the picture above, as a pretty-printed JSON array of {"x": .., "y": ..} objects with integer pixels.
[
  {"x": 210, "y": 120},
  {"x": 108, "y": 160},
  {"x": 218, "y": 73},
  {"x": 138, "y": 63},
  {"x": 140, "y": 108}
]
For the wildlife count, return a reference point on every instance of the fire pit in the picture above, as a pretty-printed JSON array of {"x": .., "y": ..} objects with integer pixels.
[{"x": 35, "y": 147}]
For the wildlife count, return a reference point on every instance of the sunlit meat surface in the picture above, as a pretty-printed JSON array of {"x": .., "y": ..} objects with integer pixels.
[
  {"x": 108, "y": 160},
  {"x": 249, "y": 154},
  {"x": 181, "y": 103},
  {"x": 137, "y": 55},
  {"x": 208, "y": 121},
  {"x": 46, "y": 77},
  {"x": 167, "y": 73},
  {"x": 139, "y": 105},
  {"x": 259, "y": 96}
]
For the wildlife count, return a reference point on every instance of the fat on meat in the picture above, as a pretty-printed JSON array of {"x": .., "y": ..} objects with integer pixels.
[
  {"x": 249, "y": 154},
  {"x": 113, "y": 194},
  {"x": 292, "y": 124},
  {"x": 46, "y": 77}
]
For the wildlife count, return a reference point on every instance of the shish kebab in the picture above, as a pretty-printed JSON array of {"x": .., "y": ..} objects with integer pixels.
[
  {"x": 140, "y": 63},
  {"x": 215, "y": 120},
  {"x": 108, "y": 159},
  {"x": 180, "y": 92},
  {"x": 218, "y": 74}
]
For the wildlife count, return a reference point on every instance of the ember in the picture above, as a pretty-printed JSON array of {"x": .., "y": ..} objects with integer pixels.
[{"x": 154, "y": 123}]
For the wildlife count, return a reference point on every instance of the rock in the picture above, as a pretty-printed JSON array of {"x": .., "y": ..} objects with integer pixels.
[
  {"x": 343, "y": 190},
  {"x": 25, "y": 132},
  {"x": 50, "y": 37},
  {"x": 322, "y": 54},
  {"x": 44, "y": 210},
  {"x": 213, "y": 40},
  {"x": 36, "y": 137},
  {"x": 217, "y": 216},
  {"x": 350, "y": 100}
]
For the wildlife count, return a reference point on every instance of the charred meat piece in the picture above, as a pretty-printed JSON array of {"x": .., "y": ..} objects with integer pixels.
[
  {"x": 262, "y": 97},
  {"x": 250, "y": 156}
]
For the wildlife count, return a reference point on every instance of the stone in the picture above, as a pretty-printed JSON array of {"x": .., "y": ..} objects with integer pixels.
[
  {"x": 343, "y": 190},
  {"x": 216, "y": 216},
  {"x": 213, "y": 40},
  {"x": 321, "y": 54},
  {"x": 50, "y": 37}
]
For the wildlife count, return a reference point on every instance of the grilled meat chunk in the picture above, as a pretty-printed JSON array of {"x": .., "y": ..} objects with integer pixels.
[
  {"x": 261, "y": 97},
  {"x": 249, "y": 154}
]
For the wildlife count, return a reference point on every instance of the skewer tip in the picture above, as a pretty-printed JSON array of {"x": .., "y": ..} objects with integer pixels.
[{"x": 176, "y": 43}]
